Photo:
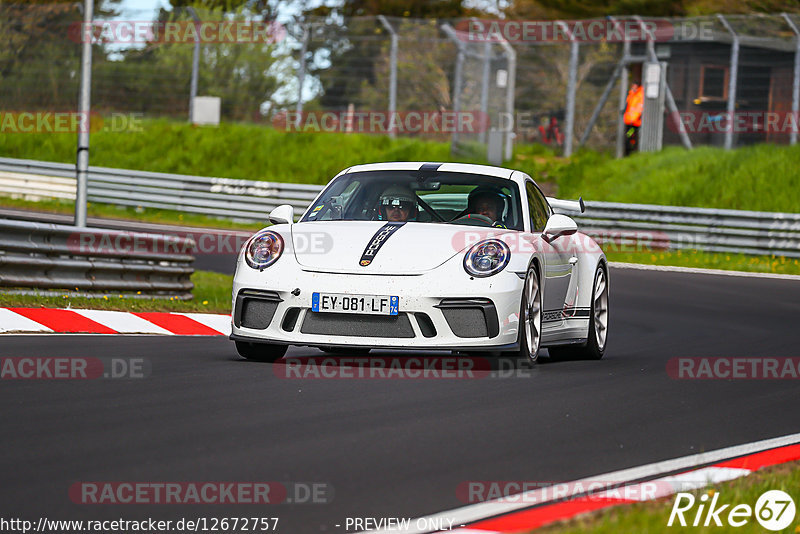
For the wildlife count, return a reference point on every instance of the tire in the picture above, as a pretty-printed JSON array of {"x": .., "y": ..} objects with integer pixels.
[
  {"x": 596, "y": 342},
  {"x": 345, "y": 351},
  {"x": 530, "y": 317},
  {"x": 260, "y": 352}
]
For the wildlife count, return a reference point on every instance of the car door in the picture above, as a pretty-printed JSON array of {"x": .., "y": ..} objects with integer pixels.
[{"x": 558, "y": 257}]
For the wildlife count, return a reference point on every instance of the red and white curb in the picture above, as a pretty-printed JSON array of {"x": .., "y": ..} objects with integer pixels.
[
  {"x": 536, "y": 508},
  {"x": 72, "y": 321}
]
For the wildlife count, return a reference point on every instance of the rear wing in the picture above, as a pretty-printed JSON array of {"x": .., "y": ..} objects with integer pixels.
[{"x": 576, "y": 206}]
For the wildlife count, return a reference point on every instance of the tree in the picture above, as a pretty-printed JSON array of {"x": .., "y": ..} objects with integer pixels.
[
  {"x": 349, "y": 40},
  {"x": 423, "y": 81},
  {"x": 578, "y": 9},
  {"x": 156, "y": 79}
]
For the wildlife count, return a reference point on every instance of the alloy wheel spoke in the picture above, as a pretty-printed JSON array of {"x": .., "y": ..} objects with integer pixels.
[{"x": 600, "y": 302}]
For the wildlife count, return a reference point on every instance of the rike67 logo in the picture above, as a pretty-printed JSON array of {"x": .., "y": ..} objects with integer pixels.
[{"x": 774, "y": 510}]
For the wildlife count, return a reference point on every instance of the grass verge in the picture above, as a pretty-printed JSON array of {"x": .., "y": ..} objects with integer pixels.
[
  {"x": 759, "y": 177},
  {"x": 107, "y": 211},
  {"x": 710, "y": 260},
  {"x": 652, "y": 516},
  {"x": 212, "y": 294},
  {"x": 230, "y": 150}
]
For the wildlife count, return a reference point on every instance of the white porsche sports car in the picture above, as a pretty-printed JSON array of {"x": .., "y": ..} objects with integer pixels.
[{"x": 431, "y": 256}]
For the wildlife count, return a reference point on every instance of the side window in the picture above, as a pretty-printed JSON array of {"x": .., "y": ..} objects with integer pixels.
[{"x": 537, "y": 205}]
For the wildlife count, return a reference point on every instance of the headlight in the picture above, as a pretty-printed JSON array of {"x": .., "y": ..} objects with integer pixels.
[
  {"x": 263, "y": 250},
  {"x": 487, "y": 258}
]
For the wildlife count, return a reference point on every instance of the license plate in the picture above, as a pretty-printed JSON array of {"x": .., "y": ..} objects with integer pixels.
[{"x": 368, "y": 304}]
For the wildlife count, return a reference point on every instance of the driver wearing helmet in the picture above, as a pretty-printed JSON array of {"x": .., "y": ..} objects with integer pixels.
[
  {"x": 397, "y": 204},
  {"x": 486, "y": 201}
]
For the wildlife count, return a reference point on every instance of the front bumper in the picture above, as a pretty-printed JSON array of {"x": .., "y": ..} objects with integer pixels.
[{"x": 442, "y": 309}]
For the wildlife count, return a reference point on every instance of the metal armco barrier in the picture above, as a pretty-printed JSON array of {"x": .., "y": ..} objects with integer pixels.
[
  {"x": 626, "y": 226},
  {"x": 632, "y": 226},
  {"x": 91, "y": 260},
  {"x": 223, "y": 197}
]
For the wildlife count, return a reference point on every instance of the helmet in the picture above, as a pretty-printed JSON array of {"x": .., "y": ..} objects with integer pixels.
[
  {"x": 487, "y": 192},
  {"x": 398, "y": 195}
]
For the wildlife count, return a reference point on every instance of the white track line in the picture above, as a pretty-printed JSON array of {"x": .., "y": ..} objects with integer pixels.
[
  {"x": 682, "y": 482},
  {"x": 475, "y": 512},
  {"x": 692, "y": 270}
]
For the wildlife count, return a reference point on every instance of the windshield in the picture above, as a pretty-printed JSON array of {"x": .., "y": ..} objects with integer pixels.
[{"x": 414, "y": 196}]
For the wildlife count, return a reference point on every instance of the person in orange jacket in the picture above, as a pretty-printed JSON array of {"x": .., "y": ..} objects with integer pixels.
[{"x": 633, "y": 116}]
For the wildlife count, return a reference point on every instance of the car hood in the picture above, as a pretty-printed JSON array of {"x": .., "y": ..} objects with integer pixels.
[{"x": 338, "y": 246}]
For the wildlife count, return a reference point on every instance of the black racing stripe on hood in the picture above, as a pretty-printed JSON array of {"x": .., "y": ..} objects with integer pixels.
[
  {"x": 428, "y": 167},
  {"x": 377, "y": 241}
]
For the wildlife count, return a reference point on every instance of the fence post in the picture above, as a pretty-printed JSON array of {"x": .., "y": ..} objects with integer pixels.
[
  {"x": 796, "y": 82},
  {"x": 84, "y": 106},
  {"x": 392, "y": 73},
  {"x": 301, "y": 76},
  {"x": 511, "y": 54},
  {"x": 195, "y": 62},
  {"x": 734, "y": 70},
  {"x": 654, "y": 81},
  {"x": 673, "y": 108},
  {"x": 623, "y": 93},
  {"x": 572, "y": 82},
  {"x": 451, "y": 33},
  {"x": 487, "y": 50}
]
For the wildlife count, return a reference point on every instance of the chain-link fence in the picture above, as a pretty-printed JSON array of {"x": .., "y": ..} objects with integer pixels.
[{"x": 731, "y": 80}]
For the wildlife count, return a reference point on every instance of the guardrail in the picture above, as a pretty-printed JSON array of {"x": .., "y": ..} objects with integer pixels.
[
  {"x": 223, "y": 197},
  {"x": 639, "y": 226},
  {"x": 626, "y": 226},
  {"x": 52, "y": 256}
]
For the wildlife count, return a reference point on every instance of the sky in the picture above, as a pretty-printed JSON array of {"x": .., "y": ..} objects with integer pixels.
[{"x": 141, "y": 8}]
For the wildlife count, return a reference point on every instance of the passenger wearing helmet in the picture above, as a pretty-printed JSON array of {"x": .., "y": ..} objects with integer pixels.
[
  {"x": 397, "y": 204},
  {"x": 486, "y": 201}
]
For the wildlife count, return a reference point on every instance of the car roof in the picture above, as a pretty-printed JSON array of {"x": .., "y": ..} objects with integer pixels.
[{"x": 467, "y": 168}]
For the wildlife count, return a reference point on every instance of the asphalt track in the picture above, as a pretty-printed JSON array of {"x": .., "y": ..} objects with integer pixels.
[{"x": 398, "y": 448}]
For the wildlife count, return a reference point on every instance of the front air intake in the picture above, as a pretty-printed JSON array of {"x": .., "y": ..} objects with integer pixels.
[
  {"x": 255, "y": 309},
  {"x": 470, "y": 317},
  {"x": 338, "y": 324},
  {"x": 425, "y": 324}
]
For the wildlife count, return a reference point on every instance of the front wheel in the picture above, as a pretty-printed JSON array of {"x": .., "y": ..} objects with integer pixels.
[
  {"x": 530, "y": 317},
  {"x": 260, "y": 352},
  {"x": 595, "y": 346}
]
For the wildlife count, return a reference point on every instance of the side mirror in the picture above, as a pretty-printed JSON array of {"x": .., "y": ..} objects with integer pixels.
[
  {"x": 558, "y": 225},
  {"x": 282, "y": 215}
]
